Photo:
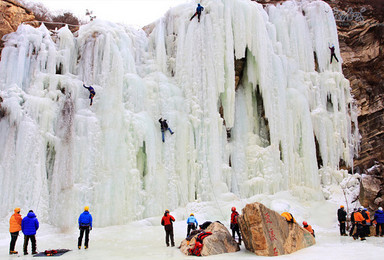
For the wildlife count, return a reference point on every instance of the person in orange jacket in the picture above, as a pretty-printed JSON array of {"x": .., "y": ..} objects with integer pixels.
[
  {"x": 309, "y": 228},
  {"x": 166, "y": 221},
  {"x": 288, "y": 216},
  {"x": 367, "y": 217},
  {"x": 14, "y": 228},
  {"x": 359, "y": 222}
]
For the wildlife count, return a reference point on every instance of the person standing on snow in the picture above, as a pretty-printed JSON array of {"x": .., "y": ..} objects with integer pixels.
[
  {"x": 379, "y": 218},
  {"x": 342, "y": 217},
  {"x": 164, "y": 127},
  {"x": 14, "y": 228},
  {"x": 166, "y": 221},
  {"x": 199, "y": 8},
  {"x": 85, "y": 226},
  {"x": 367, "y": 231},
  {"x": 92, "y": 93},
  {"x": 359, "y": 222},
  {"x": 29, "y": 226},
  {"x": 332, "y": 48},
  {"x": 191, "y": 221},
  {"x": 235, "y": 224}
]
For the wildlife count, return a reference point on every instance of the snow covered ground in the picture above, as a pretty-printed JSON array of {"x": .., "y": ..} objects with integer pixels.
[{"x": 145, "y": 239}]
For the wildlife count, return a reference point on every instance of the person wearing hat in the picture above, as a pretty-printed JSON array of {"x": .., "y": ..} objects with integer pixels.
[
  {"x": 359, "y": 223},
  {"x": 235, "y": 224},
  {"x": 14, "y": 228},
  {"x": 191, "y": 221},
  {"x": 85, "y": 225},
  {"x": 29, "y": 226},
  {"x": 166, "y": 221},
  {"x": 379, "y": 218},
  {"x": 342, "y": 217},
  {"x": 309, "y": 228}
]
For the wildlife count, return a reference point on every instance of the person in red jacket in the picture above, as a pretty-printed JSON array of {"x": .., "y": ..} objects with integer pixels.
[
  {"x": 309, "y": 228},
  {"x": 235, "y": 224},
  {"x": 166, "y": 221},
  {"x": 14, "y": 228}
]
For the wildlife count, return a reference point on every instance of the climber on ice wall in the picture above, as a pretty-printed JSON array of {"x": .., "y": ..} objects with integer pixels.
[
  {"x": 199, "y": 8},
  {"x": 92, "y": 93},
  {"x": 332, "y": 48}
]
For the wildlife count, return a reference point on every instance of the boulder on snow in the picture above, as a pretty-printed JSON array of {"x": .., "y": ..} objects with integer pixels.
[
  {"x": 219, "y": 242},
  {"x": 265, "y": 232}
]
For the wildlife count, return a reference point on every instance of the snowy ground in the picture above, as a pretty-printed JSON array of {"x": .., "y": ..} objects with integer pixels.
[{"x": 145, "y": 239}]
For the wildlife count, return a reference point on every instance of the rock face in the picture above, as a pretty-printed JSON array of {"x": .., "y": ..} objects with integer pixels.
[
  {"x": 266, "y": 233},
  {"x": 219, "y": 242},
  {"x": 12, "y": 14}
]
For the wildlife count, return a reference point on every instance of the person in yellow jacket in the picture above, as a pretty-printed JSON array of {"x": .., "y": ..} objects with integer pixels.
[
  {"x": 14, "y": 228},
  {"x": 288, "y": 216}
]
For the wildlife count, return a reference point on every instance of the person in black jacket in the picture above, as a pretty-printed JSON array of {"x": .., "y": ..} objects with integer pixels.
[
  {"x": 164, "y": 127},
  {"x": 352, "y": 222},
  {"x": 342, "y": 217}
]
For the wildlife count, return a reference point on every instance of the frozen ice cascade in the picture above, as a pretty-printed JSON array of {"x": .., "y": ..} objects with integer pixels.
[{"x": 291, "y": 110}]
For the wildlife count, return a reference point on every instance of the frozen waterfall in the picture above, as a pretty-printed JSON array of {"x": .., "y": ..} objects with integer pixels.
[{"x": 291, "y": 110}]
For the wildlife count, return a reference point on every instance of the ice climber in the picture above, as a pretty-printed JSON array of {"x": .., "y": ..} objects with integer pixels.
[
  {"x": 29, "y": 226},
  {"x": 359, "y": 221},
  {"x": 379, "y": 218},
  {"x": 342, "y": 217},
  {"x": 164, "y": 127},
  {"x": 166, "y": 221},
  {"x": 235, "y": 224},
  {"x": 199, "y": 8},
  {"x": 332, "y": 48},
  {"x": 92, "y": 93},
  {"x": 85, "y": 225},
  {"x": 309, "y": 228},
  {"x": 192, "y": 223},
  {"x": 14, "y": 228}
]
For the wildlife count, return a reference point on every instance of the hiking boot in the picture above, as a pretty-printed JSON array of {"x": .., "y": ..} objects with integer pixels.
[
  {"x": 173, "y": 244},
  {"x": 13, "y": 252},
  {"x": 85, "y": 247},
  {"x": 79, "y": 247},
  {"x": 34, "y": 253},
  {"x": 25, "y": 253},
  {"x": 362, "y": 239}
]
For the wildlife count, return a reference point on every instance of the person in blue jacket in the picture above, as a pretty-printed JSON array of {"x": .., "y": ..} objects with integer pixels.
[
  {"x": 379, "y": 217},
  {"x": 85, "y": 225},
  {"x": 92, "y": 93},
  {"x": 29, "y": 226},
  {"x": 191, "y": 221},
  {"x": 199, "y": 8}
]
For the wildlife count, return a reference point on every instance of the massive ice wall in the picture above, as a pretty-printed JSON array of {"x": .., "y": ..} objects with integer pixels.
[{"x": 291, "y": 110}]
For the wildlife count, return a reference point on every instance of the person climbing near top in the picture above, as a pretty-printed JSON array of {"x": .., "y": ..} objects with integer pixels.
[
  {"x": 164, "y": 127},
  {"x": 199, "y": 8},
  {"x": 166, "y": 221},
  {"x": 235, "y": 224},
  {"x": 332, "y": 48},
  {"x": 309, "y": 228},
  {"x": 92, "y": 93},
  {"x": 14, "y": 229},
  {"x": 342, "y": 217},
  {"x": 191, "y": 221}
]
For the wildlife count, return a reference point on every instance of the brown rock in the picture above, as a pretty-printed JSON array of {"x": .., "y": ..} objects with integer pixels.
[
  {"x": 219, "y": 242},
  {"x": 12, "y": 14},
  {"x": 369, "y": 190},
  {"x": 266, "y": 233}
]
